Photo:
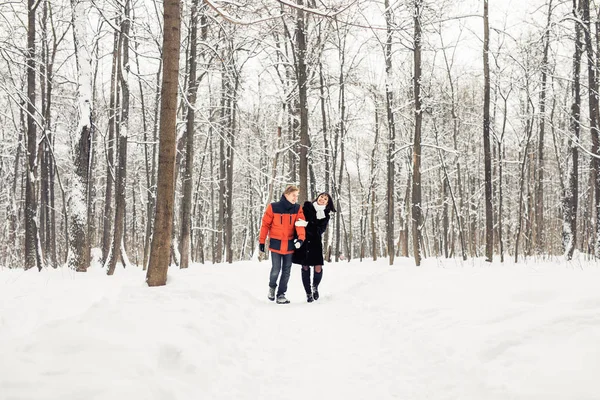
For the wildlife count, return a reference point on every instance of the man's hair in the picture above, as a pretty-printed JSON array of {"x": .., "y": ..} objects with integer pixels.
[{"x": 291, "y": 189}]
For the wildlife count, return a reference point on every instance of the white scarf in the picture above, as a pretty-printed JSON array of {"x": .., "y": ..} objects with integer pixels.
[{"x": 320, "y": 210}]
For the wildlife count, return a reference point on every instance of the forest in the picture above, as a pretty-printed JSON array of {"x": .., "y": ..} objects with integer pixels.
[{"x": 453, "y": 129}]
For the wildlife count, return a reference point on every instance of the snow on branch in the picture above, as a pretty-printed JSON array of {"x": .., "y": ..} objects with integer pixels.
[
  {"x": 314, "y": 10},
  {"x": 235, "y": 20},
  {"x": 288, "y": 3}
]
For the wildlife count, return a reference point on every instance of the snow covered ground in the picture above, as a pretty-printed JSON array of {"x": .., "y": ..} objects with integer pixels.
[{"x": 446, "y": 330}]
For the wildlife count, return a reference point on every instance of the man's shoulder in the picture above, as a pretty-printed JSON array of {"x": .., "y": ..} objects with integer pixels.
[{"x": 281, "y": 207}]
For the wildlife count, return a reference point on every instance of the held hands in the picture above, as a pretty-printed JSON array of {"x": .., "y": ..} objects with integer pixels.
[
  {"x": 301, "y": 222},
  {"x": 298, "y": 242},
  {"x": 261, "y": 247}
]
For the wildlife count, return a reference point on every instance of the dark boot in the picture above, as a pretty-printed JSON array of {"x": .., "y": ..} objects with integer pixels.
[{"x": 316, "y": 281}]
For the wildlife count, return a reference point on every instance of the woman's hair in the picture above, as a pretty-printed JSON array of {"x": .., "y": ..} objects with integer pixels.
[
  {"x": 329, "y": 205},
  {"x": 291, "y": 189}
]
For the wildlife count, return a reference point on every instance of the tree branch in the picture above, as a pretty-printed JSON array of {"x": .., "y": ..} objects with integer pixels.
[
  {"x": 234, "y": 20},
  {"x": 315, "y": 11}
]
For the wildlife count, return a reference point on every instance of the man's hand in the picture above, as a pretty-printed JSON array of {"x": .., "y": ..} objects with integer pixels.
[
  {"x": 298, "y": 243},
  {"x": 261, "y": 247}
]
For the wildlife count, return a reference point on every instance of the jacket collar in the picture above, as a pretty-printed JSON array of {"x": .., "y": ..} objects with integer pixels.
[{"x": 285, "y": 202}]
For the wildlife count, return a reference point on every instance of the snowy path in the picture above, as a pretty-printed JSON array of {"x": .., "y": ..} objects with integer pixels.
[{"x": 442, "y": 331}]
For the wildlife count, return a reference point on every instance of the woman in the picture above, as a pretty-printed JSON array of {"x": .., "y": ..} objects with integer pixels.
[
  {"x": 311, "y": 252},
  {"x": 278, "y": 223}
]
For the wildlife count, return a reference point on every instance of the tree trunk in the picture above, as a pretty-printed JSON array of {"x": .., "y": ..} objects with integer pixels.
[
  {"x": 529, "y": 130},
  {"x": 79, "y": 247},
  {"x": 594, "y": 117},
  {"x": 110, "y": 151},
  {"x": 570, "y": 198},
  {"x": 222, "y": 166},
  {"x": 120, "y": 194},
  {"x": 392, "y": 135},
  {"x": 303, "y": 98},
  {"x": 325, "y": 136},
  {"x": 489, "y": 216},
  {"x": 161, "y": 241},
  {"x": 186, "y": 217},
  {"x": 229, "y": 186},
  {"x": 32, "y": 250},
  {"x": 417, "y": 216},
  {"x": 151, "y": 172},
  {"x": 540, "y": 238},
  {"x": 372, "y": 183}
]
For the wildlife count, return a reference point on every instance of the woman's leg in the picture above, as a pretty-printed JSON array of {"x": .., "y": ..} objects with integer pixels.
[
  {"x": 318, "y": 275},
  {"x": 306, "y": 278},
  {"x": 316, "y": 280}
]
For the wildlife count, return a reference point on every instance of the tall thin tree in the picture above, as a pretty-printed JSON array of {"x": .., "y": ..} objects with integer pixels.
[
  {"x": 32, "y": 250},
  {"x": 186, "y": 218},
  {"x": 79, "y": 248},
  {"x": 539, "y": 206},
  {"x": 391, "y": 165},
  {"x": 417, "y": 211},
  {"x": 117, "y": 246},
  {"x": 160, "y": 250},
  {"x": 487, "y": 153},
  {"x": 570, "y": 197}
]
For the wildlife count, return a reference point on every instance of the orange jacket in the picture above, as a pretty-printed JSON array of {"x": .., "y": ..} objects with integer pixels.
[{"x": 278, "y": 223}]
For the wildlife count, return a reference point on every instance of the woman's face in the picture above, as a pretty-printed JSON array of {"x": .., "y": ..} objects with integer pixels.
[{"x": 322, "y": 200}]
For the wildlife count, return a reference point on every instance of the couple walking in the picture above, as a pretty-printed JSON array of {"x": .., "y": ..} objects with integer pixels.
[{"x": 295, "y": 237}]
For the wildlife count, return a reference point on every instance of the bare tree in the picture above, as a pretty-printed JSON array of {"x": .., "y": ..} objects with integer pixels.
[
  {"x": 186, "y": 219},
  {"x": 301, "y": 75},
  {"x": 539, "y": 207},
  {"x": 489, "y": 216},
  {"x": 417, "y": 216},
  {"x": 163, "y": 224},
  {"x": 570, "y": 198},
  {"x": 594, "y": 115},
  {"x": 79, "y": 248},
  {"x": 110, "y": 150},
  {"x": 117, "y": 247},
  {"x": 391, "y": 165},
  {"x": 32, "y": 251}
]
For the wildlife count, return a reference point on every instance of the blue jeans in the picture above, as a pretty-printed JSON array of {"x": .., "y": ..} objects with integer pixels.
[{"x": 283, "y": 263}]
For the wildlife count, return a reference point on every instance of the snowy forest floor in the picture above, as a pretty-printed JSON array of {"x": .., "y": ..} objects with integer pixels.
[{"x": 446, "y": 330}]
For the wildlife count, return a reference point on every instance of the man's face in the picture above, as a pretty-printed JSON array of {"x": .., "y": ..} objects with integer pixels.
[{"x": 292, "y": 197}]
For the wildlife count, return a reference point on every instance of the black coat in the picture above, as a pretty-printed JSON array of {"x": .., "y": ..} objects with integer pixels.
[{"x": 311, "y": 251}]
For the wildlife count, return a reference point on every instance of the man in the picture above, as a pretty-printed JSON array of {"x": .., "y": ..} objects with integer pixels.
[{"x": 278, "y": 223}]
